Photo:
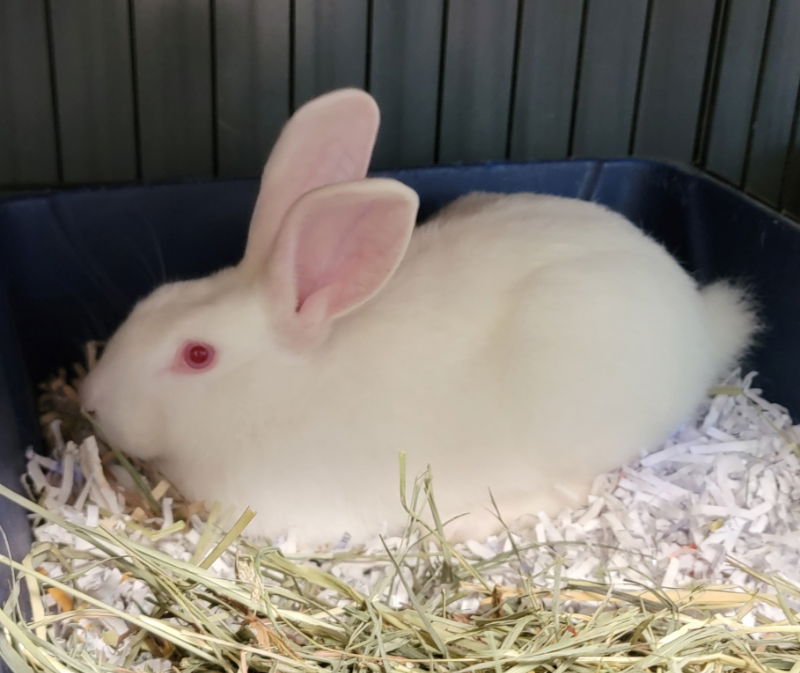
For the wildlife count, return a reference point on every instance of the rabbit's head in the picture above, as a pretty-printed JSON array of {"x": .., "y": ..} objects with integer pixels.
[{"x": 322, "y": 241}]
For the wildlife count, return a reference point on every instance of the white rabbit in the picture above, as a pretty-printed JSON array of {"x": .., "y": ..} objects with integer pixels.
[{"x": 520, "y": 343}]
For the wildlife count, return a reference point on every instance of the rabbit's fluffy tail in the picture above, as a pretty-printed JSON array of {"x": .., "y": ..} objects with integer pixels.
[{"x": 732, "y": 319}]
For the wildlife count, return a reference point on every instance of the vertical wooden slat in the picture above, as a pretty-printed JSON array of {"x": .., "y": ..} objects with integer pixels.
[
  {"x": 673, "y": 78},
  {"x": 404, "y": 77},
  {"x": 252, "y": 61},
  {"x": 27, "y": 127},
  {"x": 476, "y": 98},
  {"x": 173, "y": 68},
  {"x": 743, "y": 42},
  {"x": 790, "y": 193},
  {"x": 609, "y": 73},
  {"x": 546, "y": 71},
  {"x": 776, "y": 103},
  {"x": 330, "y": 46},
  {"x": 94, "y": 85},
  {"x": 790, "y": 196}
]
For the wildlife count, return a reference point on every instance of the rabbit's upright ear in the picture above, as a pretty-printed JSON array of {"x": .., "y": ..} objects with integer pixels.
[
  {"x": 337, "y": 247},
  {"x": 328, "y": 140}
]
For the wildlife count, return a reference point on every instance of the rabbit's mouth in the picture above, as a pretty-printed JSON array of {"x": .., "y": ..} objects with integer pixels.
[{"x": 125, "y": 428}]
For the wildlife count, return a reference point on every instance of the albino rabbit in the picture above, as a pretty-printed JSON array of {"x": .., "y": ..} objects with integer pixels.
[{"x": 520, "y": 343}]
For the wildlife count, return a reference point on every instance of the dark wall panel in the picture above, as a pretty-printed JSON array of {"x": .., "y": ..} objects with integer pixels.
[
  {"x": 740, "y": 60},
  {"x": 609, "y": 74},
  {"x": 330, "y": 46},
  {"x": 252, "y": 76},
  {"x": 479, "y": 59},
  {"x": 790, "y": 197},
  {"x": 94, "y": 85},
  {"x": 404, "y": 78},
  {"x": 777, "y": 103},
  {"x": 674, "y": 74},
  {"x": 105, "y": 91},
  {"x": 27, "y": 126},
  {"x": 546, "y": 72},
  {"x": 173, "y": 67}
]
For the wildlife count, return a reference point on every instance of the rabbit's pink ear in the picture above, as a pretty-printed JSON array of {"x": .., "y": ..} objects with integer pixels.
[
  {"x": 328, "y": 140},
  {"x": 337, "y": 247}
]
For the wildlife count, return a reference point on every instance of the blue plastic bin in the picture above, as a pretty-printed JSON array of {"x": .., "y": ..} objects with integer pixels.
[{"x": 73, "y": 263}]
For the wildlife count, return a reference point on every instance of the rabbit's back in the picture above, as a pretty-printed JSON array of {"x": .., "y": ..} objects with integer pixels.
[{"x": 489, "y": 262}]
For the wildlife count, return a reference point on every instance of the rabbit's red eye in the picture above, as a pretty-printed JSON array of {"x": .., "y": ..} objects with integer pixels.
[{"x": 198, "y": 355}]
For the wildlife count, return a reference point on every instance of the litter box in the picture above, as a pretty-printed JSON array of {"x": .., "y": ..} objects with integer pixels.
[{"x": 73, "y": 263}]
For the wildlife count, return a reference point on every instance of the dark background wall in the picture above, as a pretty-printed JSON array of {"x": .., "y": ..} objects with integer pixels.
[{"x": 110, "y": 91}]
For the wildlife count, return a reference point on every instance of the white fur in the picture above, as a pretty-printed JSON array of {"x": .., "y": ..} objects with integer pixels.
[{"x": 525, "y": 344}]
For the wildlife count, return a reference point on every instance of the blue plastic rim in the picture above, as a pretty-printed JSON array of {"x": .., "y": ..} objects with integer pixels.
[{"x": 73, "y": 263}]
